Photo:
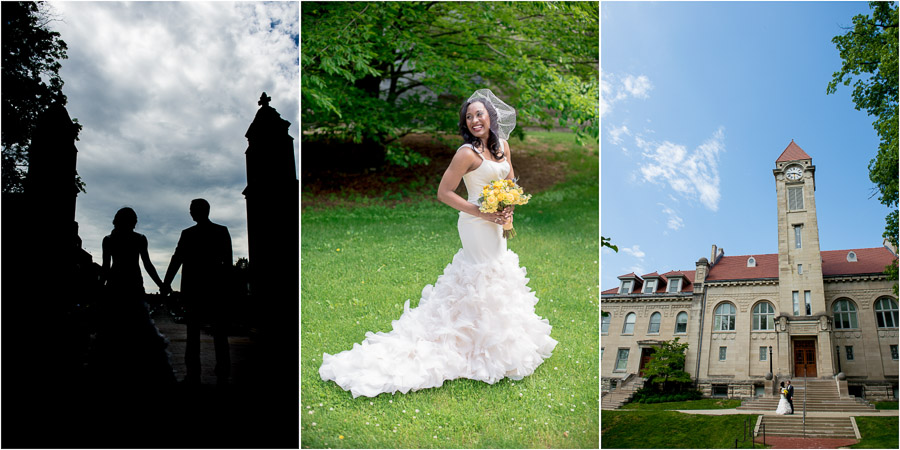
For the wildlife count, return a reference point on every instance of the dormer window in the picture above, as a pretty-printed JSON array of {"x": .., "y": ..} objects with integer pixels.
[
  {"x": 851, "y": 257},
  {"x": 674, "y": 284},
  {"x": 649, "y": 286},
  {"x": 751, "y": 262},
  {"x": 626, "y": 286}
]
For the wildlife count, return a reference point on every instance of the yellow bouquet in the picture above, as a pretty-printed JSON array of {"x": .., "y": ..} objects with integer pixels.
[{"x": 498, "y": 195}]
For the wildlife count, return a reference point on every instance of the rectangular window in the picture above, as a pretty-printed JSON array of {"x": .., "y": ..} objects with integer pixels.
[
  {"x": 795, "y": 198},
  {"x": 622, "y": 360},
  {"x": 675, "y": 285},
  {"x": 797, "y": 239},
  {"x": 720, "y": 390},
  {"x": 722, "y": 351},
  {"x": 626, "y": 287},
  {"x": 799, "y": 269},
  {"x": 601, "y": 353},
  {"x": 796, "y": 295},
  {"x": 650, "y": 287},
  {"x": 894, "y": 352},
  {"x": 808, "y": 300},
  {"x": 763, "y": 355},
  {"x": 849, "y": 350}
]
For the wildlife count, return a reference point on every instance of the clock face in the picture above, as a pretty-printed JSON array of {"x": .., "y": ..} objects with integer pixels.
[{"x": 794, "y": 173}]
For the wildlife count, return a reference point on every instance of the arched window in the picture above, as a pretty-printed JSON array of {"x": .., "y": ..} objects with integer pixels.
[
  {"x": 851, "y": 256},
  {"x": 654, "y": 322},
  {"x": 886, "y": 312},
  {"x": 763, "y": 316},
  {"x": 628, "y": 328},
  {"x": 604, "y": 324},
  {"x": 844, "y": 314},
  {"x": 681, "y": 323},
  {"x": 724, "y": 317},
  {"x": 751, "y": 262}
]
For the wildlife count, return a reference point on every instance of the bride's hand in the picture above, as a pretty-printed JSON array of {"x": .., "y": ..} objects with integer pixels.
[
  {"x": 497, "y": 218},
  {"x": 508, "y": 212}
]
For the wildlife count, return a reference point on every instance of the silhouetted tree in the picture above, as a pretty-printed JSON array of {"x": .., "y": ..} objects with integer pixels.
[
  {"x": 31, "y": 83},
  {"x": 869, "y": 54},
  {"x": 375, "y": 71}
]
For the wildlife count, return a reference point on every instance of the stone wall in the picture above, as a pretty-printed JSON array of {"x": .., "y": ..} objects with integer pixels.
[
  {"x": 877, "y": 391},
  {"x": 734, "y": 390}
]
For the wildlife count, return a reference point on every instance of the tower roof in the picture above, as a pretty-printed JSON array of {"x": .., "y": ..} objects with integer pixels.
[{"x": 793, "y": 152}]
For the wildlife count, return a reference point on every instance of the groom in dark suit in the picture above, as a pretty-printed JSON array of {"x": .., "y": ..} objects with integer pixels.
[
  {"x": 204, "y": 252},
  {"x": 790, "y": 395}
]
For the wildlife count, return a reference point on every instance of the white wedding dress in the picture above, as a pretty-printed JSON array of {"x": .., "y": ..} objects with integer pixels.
[
  {"x": 476, "y": 322},
  {"x": 783, "y": 406}
]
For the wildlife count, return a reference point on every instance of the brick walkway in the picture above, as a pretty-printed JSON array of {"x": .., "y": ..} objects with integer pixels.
[{"x": 786, "y": 442}]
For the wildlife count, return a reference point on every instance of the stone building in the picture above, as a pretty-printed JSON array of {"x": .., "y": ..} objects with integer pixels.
[{"x": 802, "y": 311}]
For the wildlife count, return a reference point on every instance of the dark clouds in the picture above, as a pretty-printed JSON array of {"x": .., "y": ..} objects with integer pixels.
[{"x": 165, "y": 92}]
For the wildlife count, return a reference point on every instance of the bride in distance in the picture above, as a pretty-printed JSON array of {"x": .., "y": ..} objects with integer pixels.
[{"x": 477, "y": 321}]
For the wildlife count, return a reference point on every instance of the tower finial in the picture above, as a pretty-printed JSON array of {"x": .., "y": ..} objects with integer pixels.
[{"x": 264, "y": 100}]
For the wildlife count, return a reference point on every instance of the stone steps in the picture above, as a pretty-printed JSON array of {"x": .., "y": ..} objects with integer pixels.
[
  {"x": 618, "y": 397},
  {"x": 822, "y": 427}
]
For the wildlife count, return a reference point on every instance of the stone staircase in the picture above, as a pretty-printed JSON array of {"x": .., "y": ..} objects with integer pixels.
[
  {"x": 821, "y": 395},
  {"x": 622, "y": 394},
  {"x": 816, "y": 427}
]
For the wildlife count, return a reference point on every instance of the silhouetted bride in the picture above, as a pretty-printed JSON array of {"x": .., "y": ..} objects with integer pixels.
[
  {"x": 478, "y": 319},
  {"x": 129, "y": 348}
]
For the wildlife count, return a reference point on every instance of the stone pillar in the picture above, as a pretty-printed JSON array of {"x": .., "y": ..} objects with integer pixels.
[{"x": 272, "y": 196}]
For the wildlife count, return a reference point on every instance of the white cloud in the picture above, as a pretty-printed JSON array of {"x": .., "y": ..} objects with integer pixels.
[
  {"x": 614, "y": 88},
  {"x": 616, "y": 133},
  {"x": 635, "y": 251},
  {"x": 693, "y": 175},
  {"x": 674, "y": 222},
  {"x": 637, "y": 269},
  {"x": 165, "y": 92},
  {"x": 638, "y": 87}
]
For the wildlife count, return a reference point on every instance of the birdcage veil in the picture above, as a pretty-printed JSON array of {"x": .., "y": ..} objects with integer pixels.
[{"x": 506, "y": 115}]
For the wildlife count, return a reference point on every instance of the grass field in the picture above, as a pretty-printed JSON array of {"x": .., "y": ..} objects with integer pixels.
[
  {"x": 704, "y": 403},
  {"x": 878, "y": 432},
  {"x": 669, "y": 429},
  {"x": 885, "y": 405},
  {"x": 360, "y": 264}
]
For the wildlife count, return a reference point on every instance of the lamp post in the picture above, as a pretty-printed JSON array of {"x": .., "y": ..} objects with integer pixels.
[{"x": 770, "y": 359}]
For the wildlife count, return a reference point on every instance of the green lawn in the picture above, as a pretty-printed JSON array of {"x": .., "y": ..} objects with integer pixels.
[
  {"x": 669, "y": 429},
  {"x": 878, "y": 432},
  {"x": 885, "y": 405},
  {"x": 704, "y": 403},
  {"x": 359, "y": 265}
]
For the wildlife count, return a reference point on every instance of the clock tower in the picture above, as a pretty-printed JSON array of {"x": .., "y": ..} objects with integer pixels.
[{"x": 804, "y": 325}]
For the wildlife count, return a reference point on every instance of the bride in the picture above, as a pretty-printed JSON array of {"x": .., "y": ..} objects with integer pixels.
[
  {"x": 783, "y": 406},
  {"x": 477, "y": 321}
]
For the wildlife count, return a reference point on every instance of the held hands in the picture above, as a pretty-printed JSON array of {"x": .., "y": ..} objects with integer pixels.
[{"x": 165, "y": 289}]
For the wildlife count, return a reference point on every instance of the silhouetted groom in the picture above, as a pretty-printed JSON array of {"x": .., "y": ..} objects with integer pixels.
[{"x": 205, "y": 252}]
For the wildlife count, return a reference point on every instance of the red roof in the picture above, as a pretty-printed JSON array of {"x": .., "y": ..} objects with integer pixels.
[
  {"x": 834, "y": 262},
  {"x": 735, "y": 268},
  {"x": 793, "y": 152},
  {"x": 687, "y": 286},
  {"x": 868, "y": 260}
]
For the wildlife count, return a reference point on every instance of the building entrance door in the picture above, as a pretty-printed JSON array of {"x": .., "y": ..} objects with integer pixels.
[
  {"x": 646, "y": 353},
  {"x": 805, "y": 355}
]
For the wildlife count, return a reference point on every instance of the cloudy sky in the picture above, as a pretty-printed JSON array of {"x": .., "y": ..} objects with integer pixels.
[
  {"x": 165, "y": 92},
  {"x": 699, "y": 100}
]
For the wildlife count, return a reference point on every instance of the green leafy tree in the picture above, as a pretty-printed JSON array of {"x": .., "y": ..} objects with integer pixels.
[
  {"x": 31, "y": 83},
  {"x": 667, "y": 365},
  {"x": 869, "y": 54},
  {"x": 375, "y": 71}
]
